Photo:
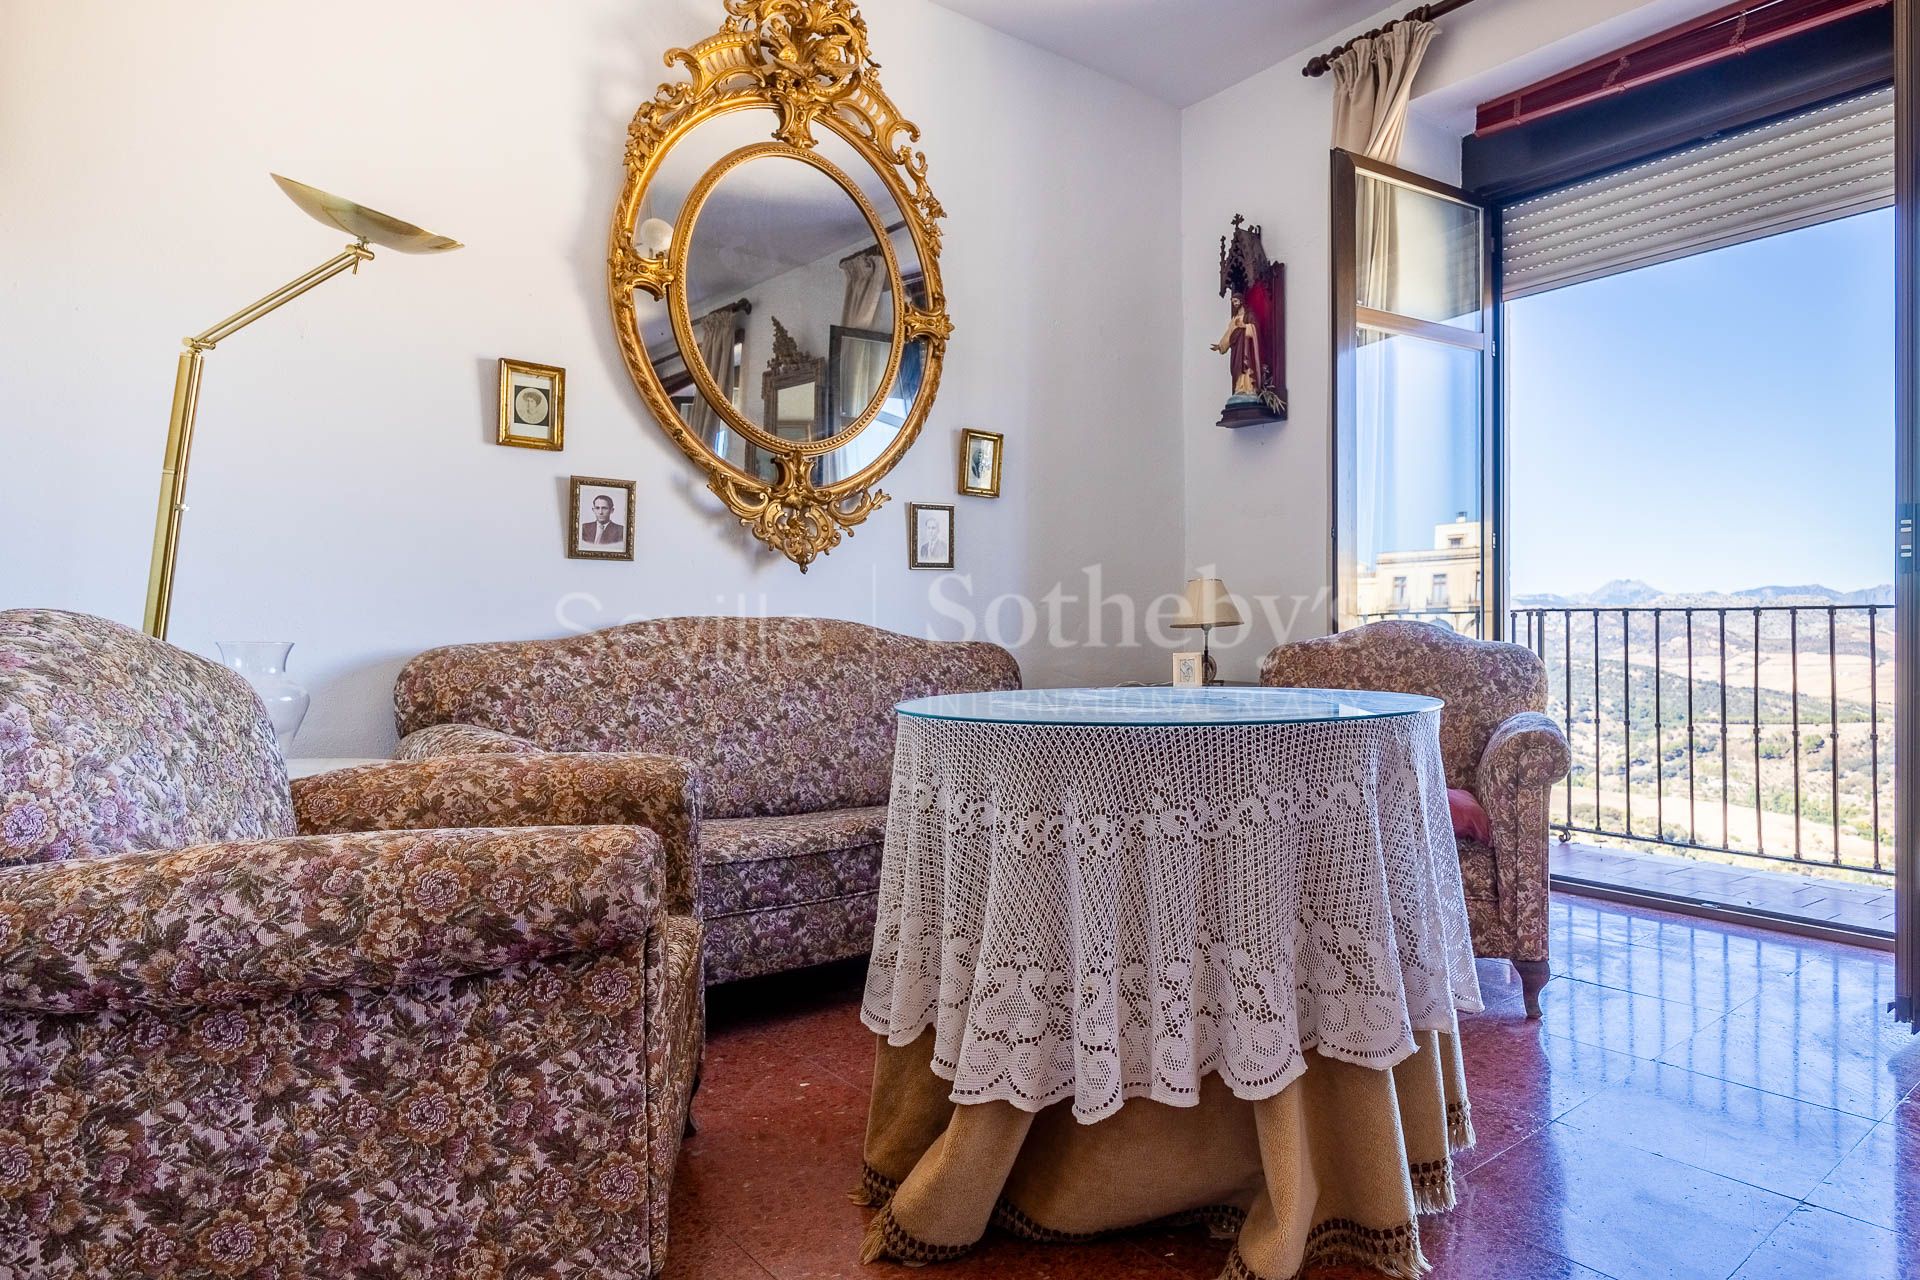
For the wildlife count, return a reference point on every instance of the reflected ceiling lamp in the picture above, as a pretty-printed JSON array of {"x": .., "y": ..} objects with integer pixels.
[{"x": 367, "y": 227}]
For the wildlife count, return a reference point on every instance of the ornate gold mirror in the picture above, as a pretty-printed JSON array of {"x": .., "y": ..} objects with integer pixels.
[{"x": 773, "y": 268}]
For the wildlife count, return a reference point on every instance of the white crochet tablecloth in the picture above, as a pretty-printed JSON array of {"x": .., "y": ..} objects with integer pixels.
[{"x": 1108, "y": 911}]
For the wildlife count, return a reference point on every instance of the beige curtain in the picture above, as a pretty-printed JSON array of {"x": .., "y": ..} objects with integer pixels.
[
  {"x": 861, "y": 364},
  {"x": 714, "y": 334},
  {"x": 1373, "y": 86}
]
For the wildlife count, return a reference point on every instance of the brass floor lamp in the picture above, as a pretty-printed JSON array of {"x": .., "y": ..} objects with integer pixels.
[{"x": 366, "y": 227}]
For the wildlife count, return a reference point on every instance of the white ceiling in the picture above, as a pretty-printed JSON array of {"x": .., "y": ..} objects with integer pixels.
[{"x": 1180, "y": 51}]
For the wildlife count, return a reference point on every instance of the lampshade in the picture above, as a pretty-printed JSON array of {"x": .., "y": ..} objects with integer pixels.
[
  {"x": 363, "y": 223},
  {"x": 1207, "y": 603}
]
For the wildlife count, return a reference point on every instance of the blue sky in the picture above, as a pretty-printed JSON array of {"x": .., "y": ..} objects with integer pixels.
[{"x": 1719, "y": 422}]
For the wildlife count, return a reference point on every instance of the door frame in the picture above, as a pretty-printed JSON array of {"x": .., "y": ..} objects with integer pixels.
[
  {"x": 1347, "y": 315},
  {"x": 1906, "y": 591}
]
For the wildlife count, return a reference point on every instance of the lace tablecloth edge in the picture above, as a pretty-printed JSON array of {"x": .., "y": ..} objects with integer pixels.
[{"x": 1154, "y": 1093}]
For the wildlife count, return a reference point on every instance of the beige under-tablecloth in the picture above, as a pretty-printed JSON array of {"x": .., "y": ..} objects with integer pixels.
[{"x": 1336, "y": 1167}]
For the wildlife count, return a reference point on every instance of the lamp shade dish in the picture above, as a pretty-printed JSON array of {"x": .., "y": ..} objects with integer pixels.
[
  {"x": 363, "y": 223},
  {"x": 1207, "y": 603}
]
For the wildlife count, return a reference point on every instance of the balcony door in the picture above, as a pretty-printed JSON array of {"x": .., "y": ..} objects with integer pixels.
[
  {"x": 1415, "y": 485},
  {"x": 1906, "y": 1004}
]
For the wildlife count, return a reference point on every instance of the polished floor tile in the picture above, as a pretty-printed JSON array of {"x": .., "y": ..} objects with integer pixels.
[
  {"x": 1700, "y": 1101},
  {"x": 1773, "y": 1142},
  {"x": 1815, "y": 1244},
  {"x": 1641, "y": 1026},
  {"x": 1615, "y": 1209},
  {"x": 1879, "y": 1181}
]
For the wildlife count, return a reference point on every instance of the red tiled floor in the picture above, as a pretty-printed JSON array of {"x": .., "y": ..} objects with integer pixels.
[{"x": 1701, "y": 1101}]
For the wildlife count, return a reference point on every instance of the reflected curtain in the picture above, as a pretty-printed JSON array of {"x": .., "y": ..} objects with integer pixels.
[
  {"x": 860, "y": 364},
  {"x": 1373, "y": 87},
  {"x": 713, "y": 333}
]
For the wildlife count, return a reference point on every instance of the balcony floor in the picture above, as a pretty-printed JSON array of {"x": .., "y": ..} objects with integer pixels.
[{"x": 1795, "y": 897}]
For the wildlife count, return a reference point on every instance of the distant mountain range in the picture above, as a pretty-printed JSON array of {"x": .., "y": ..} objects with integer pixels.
[{"x": 1631, "y": 592}]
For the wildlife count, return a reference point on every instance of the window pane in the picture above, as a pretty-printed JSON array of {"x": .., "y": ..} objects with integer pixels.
[
  {"x": 1417, "y": 466},
  {"x": 1419, "y": 254}
]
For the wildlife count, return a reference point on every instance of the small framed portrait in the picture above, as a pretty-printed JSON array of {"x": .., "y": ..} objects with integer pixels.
[
  {"x": 929, "y": 536},
  {"x": 980, "y": 463},
  {"x": 533, "y": 405},
  {"x": 600, "y": 519},
  {"x": 1189, "y": 671}
]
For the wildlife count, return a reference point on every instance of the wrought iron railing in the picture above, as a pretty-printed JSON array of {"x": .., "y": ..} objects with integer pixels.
[{"x": 1752, "y": 730}]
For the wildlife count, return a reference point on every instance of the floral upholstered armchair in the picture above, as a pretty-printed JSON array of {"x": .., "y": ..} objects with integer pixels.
[
  {"x": 788, "y": 722},
  {"x": 406, "y": 1019},
  {"x": 1498, "y": 746}
]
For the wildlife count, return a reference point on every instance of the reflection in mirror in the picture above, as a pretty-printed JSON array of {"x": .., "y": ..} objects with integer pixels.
[
  {"x": 776, "y": 234},
  {"x": 783, "y": 236}
]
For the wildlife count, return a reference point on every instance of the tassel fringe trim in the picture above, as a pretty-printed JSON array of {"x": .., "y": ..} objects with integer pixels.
[
  {"x": 1459, "y": 1126},
  {"x": 1393, "y": 1251}
]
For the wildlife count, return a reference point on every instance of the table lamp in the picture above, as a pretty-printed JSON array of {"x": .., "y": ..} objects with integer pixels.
[
  {"x": 1207, "y": 604},
  {"x": 366, "y": 226}
]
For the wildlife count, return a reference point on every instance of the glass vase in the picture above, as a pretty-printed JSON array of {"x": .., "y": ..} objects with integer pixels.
[{"x": 263, "y": 664}]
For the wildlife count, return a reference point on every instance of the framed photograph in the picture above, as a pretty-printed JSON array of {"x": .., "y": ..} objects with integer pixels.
[
  {"x": 980, "y": 463},
  {"x": 533, "y": 405},
  {"x": 1188, "y": 671},
  {"x": 600, "y": 519},
  {"x": 929, "y": 536}
]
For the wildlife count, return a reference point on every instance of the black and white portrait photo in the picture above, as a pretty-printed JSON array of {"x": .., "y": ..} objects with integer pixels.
[
  {"x": 600, "y": 519},
  {"x": 533, "y": 404},
  {"x": 980, "y": 463},
  {"x": 929, "y": 536}
]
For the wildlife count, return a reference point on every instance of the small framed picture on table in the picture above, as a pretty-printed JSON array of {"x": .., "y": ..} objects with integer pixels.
[
  {"x": 929, "y": 536},
  {"x": 533, "y": 405},
  {"x": 1189, "y": 671},
  {"x": 600, "y": 519}
]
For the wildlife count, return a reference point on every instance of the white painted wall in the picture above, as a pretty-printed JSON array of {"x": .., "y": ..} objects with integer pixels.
[
  {"x": 346, "y": 493},
  {"x": 1257, "y": 498}
]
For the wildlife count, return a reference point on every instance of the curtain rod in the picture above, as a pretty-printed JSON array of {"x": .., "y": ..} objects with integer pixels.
[{"x": 1320, "y": 65}]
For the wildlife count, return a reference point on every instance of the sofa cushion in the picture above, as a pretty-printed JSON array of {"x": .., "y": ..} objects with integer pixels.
[
  {"x": 1470, "y": 821},
  {"x": 749, "y": 864}
]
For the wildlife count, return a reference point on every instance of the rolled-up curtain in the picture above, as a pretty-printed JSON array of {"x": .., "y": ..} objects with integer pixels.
[
  {"x": 1373, "y": 87},
  {"x": 713, "y": 333}
]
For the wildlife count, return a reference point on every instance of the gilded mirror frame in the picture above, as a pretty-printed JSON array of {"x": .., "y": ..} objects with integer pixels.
[{"x": 809, "y": 63}]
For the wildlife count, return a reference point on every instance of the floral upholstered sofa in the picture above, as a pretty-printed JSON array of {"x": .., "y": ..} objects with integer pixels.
[
  {"x": 403, "y": 1020},
  {"x": 1498, "y": 746},
  {"x": 788, "y": 723}
]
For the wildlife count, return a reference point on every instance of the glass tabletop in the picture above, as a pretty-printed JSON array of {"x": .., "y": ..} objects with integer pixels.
[{"x": 1202, "y": 706}]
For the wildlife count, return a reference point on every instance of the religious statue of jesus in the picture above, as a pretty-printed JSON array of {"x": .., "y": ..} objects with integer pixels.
[{"x": 1241, "y": 341}]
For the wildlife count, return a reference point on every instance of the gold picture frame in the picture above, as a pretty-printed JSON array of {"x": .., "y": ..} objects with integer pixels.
[
  {"x": 592, "y": 533},
  {"x": 930, "y": 535},
  {"x": 973, "y": 482},
  {"x": 533, "y": 405}
]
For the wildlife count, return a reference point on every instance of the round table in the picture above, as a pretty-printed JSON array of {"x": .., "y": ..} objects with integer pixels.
[{"x": 1095, "y": 896}]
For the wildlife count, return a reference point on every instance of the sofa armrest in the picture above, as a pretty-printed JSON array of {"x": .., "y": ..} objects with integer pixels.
[
  {"x": 550, "y": 789},
  {"x": 460, "y": 740},
  {"x": 1527, "y": 750},
  {"x": 1527, "y": 754},
  {"x": 225, "y": 924}
]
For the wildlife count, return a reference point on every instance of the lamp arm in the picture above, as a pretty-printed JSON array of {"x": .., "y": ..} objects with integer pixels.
[{"x": 186, "y": 404}]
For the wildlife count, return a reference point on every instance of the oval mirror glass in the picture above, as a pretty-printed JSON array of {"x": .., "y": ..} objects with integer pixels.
[{"x": 789, "y": 305}]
